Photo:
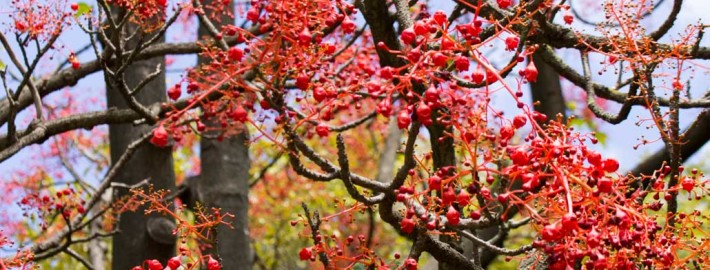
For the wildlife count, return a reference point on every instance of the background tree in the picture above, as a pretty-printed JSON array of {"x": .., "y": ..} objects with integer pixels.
[
  {"x": 224, "y": 179},
  {"x": 475, "y": 161},
  {"x": 132, "y": 85}
]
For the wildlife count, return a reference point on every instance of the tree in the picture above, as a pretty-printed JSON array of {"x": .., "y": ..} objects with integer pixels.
[
  {"x": 141, "y": 236},
  {"x": 224, "y": 181},
  {"x": 315, "y": 79}
]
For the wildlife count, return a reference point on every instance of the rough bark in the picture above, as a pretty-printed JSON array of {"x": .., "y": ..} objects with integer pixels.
[
  {"x": 224, "y": 181},
  {"x": 134, "y": 244},
  {"x": 224, "y": 184}
]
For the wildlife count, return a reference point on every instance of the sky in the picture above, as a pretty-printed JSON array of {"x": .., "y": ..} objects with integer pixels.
[{"x": 621, "y": 137}]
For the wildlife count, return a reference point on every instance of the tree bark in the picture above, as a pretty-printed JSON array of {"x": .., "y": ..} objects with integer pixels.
[
  {"x": 224, "y": 181},
  {"x": 224, "y": 184},
  {"x": 134, "y": 244},
  {"x": 548, "y": 90}
]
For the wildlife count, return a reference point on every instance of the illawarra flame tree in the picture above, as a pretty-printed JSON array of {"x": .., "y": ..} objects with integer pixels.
[{"x": 312, "y": 79}]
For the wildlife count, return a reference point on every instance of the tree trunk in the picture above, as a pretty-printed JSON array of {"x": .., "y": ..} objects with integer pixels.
[
  {"x": 444, "y": 155},
  {"x": 224, "y": 180},
  {"x": 224, "y": 184},
  {"x": 548, "y": 90},
  {"x": 134, "y": 244}
]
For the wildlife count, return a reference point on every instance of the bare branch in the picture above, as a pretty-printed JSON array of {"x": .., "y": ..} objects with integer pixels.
[
  {"x": 497, "y": 250},
  {"x": 345, "y": 175},
  {"x": 79, "y": 258}
]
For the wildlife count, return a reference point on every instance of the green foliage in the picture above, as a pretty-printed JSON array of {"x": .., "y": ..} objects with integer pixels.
[{"x": 84, "y": 8}]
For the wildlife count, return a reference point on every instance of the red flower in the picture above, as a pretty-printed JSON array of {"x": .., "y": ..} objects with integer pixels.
[
  {"x": 160, "y": 138},
  {"x": 477, "y": 76},
  {"x": 155, "y": 265},
  {"x": 239, "y": 114},
  {"x": 386, "y": 73},
  {"x": 235, "y": 54},
  {"x": 305, "y": 254},
  {"x": 174, "y": 263},
  {"x": 504, "y": 3},
  {"x": 408, "y": 36},
  {"x": 423, "y": 111},
  {"x": 20, "y": 26},
  {"x": 530, "y": 72},
  {"x": 421, "y": 28},
  {"x": 604, "y": 185},
  {"x": 568, "y": 17},
  {"x": 440, "y": 17},
  {"x": 688, "y": 184},
  {"x": 174, "y": 92},
  {"x": 304, "y": 38},
  {"x": 403, "y": 119},
  {"x": 434, "y": 182},
  {"x": 461, "y": 63},
  {"x": 410, "y": 264},
  {"x": 511, "y": 43},
  {"x": 463, "y": 198},
  {"x": 448, "y": 197},
  {"x": 440, "y": 59},
  {"x": 446, "y": 44},
  {"x": 319, "y": 93},
  {"x": 552, "y": 232},
  {"x": 610, "y": 165},
  {"x": 506, "y": 132},
  {"x": 348, "y": 25},
  {"x": 407, "y": 225},
  {"x": 213, "y": 264},
  {"x": 594, "y": 158},
  {"x": 519, "y": 121},
  {"x": 453, "y": 216},
  {"x": 322, "y": 130},
  {"x": 302, "y": 81}
]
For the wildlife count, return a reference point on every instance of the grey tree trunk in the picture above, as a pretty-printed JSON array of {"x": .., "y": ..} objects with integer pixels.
[
  {"x": 134, "y": 244},
  {"x": 224, "y": 182}
]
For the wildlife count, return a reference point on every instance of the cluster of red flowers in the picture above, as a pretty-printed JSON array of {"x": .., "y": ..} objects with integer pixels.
[
  {"x": 570, "y": 194},
  {"x": 175, "y": 263},
  {"x": 149, "y": 15},
  {"x": 39, "y": 19}
]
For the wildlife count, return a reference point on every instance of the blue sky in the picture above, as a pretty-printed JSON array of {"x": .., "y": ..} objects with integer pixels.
[{"x": 620, "y": 137}]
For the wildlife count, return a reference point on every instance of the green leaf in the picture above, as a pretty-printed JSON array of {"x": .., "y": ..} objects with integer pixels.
[
  {"x": 84, "y": 8},
  {"x": 571, "y": 105},
  {"x": 601, "y": 137},
  {"x": 576, "y": 122},
  {"x": 2, "y": 65},
  {"x": 358, "y": 266}
]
